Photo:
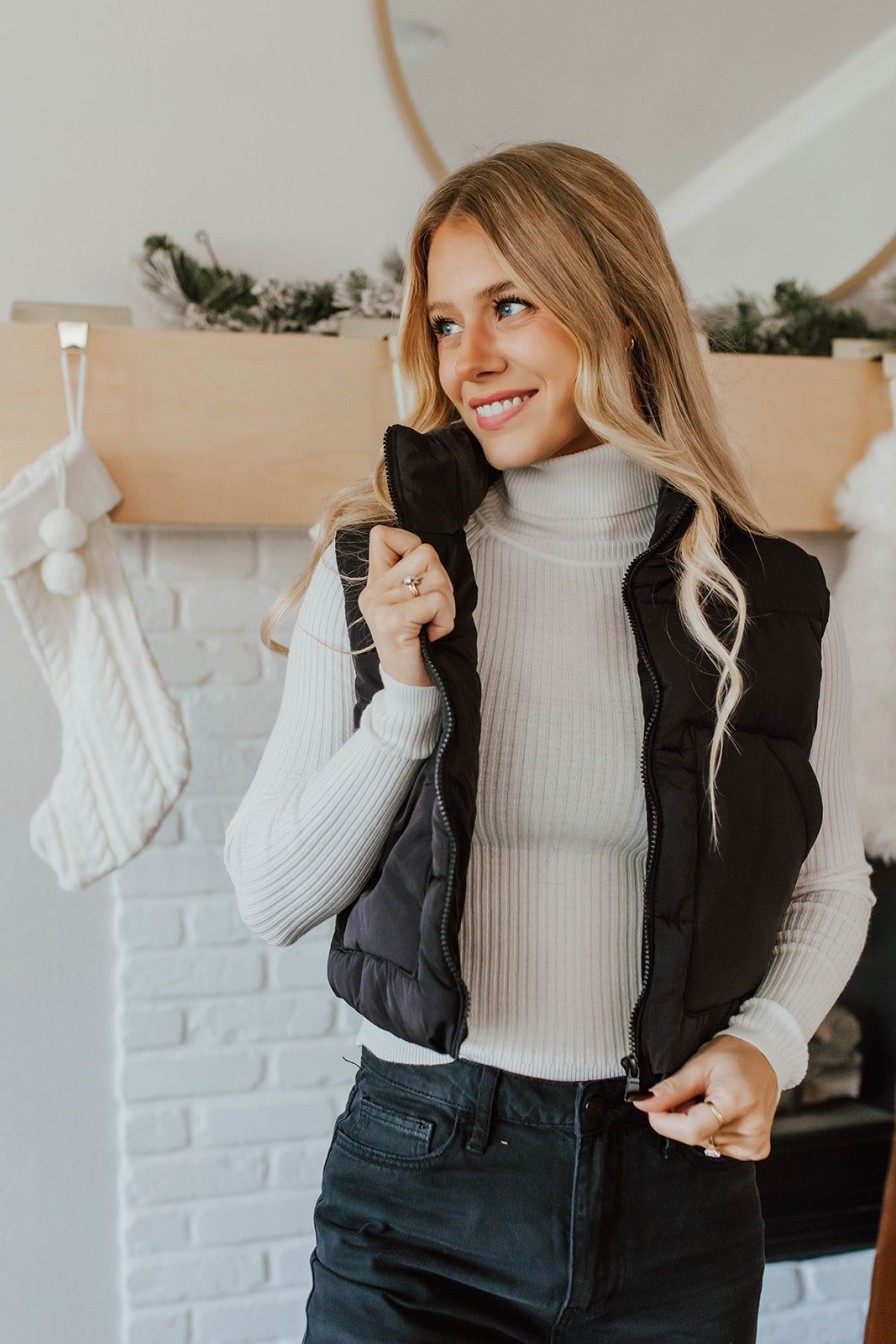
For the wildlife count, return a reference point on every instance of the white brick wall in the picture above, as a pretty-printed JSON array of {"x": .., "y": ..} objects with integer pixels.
[
  {"x": 230, "y": 1068},
  {"x": 230, "y": 1053},
  {"x": 819, "y": 1301}
]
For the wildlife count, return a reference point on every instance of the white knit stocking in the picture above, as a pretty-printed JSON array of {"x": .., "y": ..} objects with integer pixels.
[{"x": 125, "y": 757}]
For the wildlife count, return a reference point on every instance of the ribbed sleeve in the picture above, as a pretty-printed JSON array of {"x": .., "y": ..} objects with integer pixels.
[{"x": 308, "y": 831}]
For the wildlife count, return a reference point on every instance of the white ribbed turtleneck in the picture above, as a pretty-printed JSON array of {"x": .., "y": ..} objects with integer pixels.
[
  {"x": 561, "y": 495},
  {"x": 551, "y": 935}
]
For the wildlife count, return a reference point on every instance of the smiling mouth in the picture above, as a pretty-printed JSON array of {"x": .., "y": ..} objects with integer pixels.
[{"x": 489, "y": 418}]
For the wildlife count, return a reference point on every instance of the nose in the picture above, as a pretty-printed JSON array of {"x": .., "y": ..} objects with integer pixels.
[{"x": 477, "y": 353}]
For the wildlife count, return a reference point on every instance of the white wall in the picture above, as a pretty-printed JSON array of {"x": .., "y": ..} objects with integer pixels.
[
  {"x": 268, "y": 125},
  {"x": 272, "y": 128},
  {"x": 58, "y": 1156}
]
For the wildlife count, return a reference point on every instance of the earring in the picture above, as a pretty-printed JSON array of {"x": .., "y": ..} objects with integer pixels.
[{"x": 632, "y": 344}]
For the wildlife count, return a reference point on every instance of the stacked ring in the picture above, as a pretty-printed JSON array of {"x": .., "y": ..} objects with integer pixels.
[{"x": 709, "y": 1147}]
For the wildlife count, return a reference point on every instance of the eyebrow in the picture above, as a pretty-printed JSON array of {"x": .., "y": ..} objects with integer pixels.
[{"x": 490, "y": 292}]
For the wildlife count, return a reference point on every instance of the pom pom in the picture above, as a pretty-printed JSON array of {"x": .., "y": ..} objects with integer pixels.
[
  {"x": 63, "y": 530},
  {"x": 63, "y": 572}
]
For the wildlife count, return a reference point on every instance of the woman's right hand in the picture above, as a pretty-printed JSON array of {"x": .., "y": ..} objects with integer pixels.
[{"x": 393, "y": 615}]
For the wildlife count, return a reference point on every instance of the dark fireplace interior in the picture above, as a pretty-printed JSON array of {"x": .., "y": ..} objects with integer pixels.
[{"x": 822, "y": 1184}]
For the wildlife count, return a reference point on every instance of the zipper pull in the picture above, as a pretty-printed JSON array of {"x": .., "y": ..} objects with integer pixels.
[{"x": 632, "y": 1077}]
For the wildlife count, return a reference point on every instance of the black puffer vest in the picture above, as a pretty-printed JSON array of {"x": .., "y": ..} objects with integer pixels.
[{"x": 710, "y": 919}]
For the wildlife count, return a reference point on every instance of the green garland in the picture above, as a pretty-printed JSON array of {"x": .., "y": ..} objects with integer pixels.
[
  {"x": 212, "y": 297},
  {"x": 798, "y": 321}
]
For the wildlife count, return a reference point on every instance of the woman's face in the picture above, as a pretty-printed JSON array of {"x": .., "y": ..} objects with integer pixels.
[{"x": 496, "y": 345}]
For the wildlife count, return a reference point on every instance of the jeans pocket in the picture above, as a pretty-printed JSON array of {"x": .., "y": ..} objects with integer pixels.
[
  {"x": 397, "y": 1129},
  {"x": 693, "y": 1153}
]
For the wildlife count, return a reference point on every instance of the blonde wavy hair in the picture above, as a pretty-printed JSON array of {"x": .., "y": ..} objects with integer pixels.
[{"x": 583, "y": 239}]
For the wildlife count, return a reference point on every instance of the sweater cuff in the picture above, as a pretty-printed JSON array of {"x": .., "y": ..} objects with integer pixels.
[
  {"x": 772, "y": 1029},
  {"x": 403, "y": 718}
]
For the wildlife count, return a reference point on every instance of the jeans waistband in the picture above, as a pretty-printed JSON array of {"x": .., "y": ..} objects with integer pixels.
[{"x": 510, "y": 1096}]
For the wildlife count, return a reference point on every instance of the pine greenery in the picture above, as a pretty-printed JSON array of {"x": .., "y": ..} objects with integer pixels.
[{"x": 796, "y": 322}]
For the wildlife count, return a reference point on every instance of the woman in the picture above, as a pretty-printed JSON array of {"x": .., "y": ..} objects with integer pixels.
[{"x": 555, "y": 579}]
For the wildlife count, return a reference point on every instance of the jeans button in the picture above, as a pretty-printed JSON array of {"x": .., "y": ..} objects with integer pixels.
[{"x": 594, "y": 1108}]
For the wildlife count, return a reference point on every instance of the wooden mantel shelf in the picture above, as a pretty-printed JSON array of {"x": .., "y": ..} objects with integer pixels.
[
  {"x": 204, "y": 428},
  {"x": 215, "y": 429}
]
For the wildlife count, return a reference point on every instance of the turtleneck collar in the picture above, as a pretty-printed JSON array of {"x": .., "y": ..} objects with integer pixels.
[
  {"x": 594, "y": 506},
  {"x": 593, "y": 483}
]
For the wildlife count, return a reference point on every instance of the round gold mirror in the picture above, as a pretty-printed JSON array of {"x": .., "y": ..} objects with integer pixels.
[{"x": 762, "y": 133}]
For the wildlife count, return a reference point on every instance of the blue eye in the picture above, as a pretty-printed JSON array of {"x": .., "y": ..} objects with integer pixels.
[{"x": 436, "y": 323}]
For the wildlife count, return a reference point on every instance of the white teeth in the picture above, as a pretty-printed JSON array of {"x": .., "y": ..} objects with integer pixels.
[{"x": 499, "y": 407}]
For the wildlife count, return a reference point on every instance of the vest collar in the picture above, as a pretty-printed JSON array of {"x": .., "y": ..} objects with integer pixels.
[{"x": 439, "y": 477}]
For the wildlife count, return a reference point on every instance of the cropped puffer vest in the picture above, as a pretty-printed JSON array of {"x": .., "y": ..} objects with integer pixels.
[{"x": 710, "y": 918}]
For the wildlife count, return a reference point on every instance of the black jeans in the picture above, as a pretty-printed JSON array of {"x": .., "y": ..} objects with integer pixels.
[{"x": 468, "y": 1204}]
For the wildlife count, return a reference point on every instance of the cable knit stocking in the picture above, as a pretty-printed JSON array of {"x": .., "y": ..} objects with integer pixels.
[{"x": 125, "y": 757}]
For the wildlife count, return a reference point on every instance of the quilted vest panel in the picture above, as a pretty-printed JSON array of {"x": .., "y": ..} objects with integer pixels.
[{"x": 711, "y": 918}]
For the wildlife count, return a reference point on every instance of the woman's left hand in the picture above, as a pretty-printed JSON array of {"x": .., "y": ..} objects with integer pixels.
[{"x": 738, "y": 1079}]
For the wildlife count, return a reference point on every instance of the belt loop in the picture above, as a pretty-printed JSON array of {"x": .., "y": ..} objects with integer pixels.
[{"x": 488, "y": 1081}]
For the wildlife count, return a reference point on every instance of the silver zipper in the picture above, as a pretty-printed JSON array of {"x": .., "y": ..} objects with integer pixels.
[
  {"x": 440, "y": 751},
  {"x": 631, "y": 1062}
]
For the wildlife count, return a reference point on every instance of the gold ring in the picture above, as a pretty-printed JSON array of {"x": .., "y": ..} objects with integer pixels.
[
  {"x": 709, "y": 1147},
  {"x": 713, "y": 1107},
  {"x": 412, "y": 580}
]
